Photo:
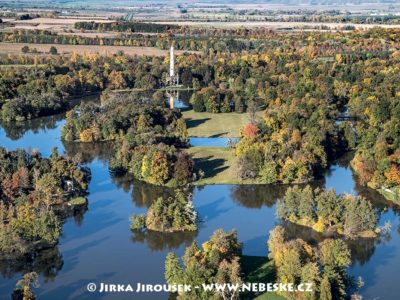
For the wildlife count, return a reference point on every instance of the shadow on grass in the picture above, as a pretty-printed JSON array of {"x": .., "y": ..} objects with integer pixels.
[
  {"x": 258, "y": 269},
  {"x": 190, "y": 123},
  {"x": 218, "y": 134},
  {"x": 211, "y": 167}
]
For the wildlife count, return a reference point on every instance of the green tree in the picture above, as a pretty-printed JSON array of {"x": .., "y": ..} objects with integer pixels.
[
  {"x": 325, "y": 289},
  {"x": 25, "y": 49},
  {"x": 53, "y": 50},
  {"x": 268, "y": 172},
  {"x": 23, "y": 290},
  {"x": 173, "y": 269}
]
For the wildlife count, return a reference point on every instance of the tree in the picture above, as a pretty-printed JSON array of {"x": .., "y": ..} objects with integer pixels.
[
  {"x": 24, "y": 286},
  {"x": 310, "y": 273},
  {"x": 183, "y": 168},
  {"x": 289, "y": 264},
  {"x": 307, "y": 204},
  {"x": 159, "y": 168},
  {"x": 297, "y": 261},
  {"x": 48, "y": 190},
  {"x": 116, "y": 80},
  {"x": 173, "y": 269},
  {"x": 329, "y": 207},
  {"x": 334, "y": 253},
  {"x": 229, "y": 272},
  {"x": 170, "y": 214},
  {"x": 268, "y": 172},
  {"x": 217, "y": 262},
  {"x": 181, "y": 130},
  {"x": 393, "y": 175},
  {"x": 325, "y": 289},
  {"x": 250, "y": 131},
  {"x": 53, "y": 50},
  {"x": 275, "y": 241},
  {"x": 142, "y": 122},
  {"x": 138, "y": 222},
  {"x": 359, "y": 215},
  {"x": 25, "y": 49},
  {"x": 197, "y": 102}
]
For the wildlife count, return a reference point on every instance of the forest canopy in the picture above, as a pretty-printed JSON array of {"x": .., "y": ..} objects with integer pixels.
[{"x": 34, "y": 197}]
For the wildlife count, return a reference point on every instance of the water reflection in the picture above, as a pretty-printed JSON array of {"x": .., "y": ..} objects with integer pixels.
[
  {"x": 89, "y": 152},
  {"x": 46, "y": 262},
  {"x": 256, "y": 196},
  {"x": 142, "y": 193},
  {"x": 17, "y": 130},
  {"x": 361, "y": 249},
  {"x": 158, "y": 241}
]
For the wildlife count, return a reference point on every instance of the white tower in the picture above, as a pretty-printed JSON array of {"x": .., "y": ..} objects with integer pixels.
[
  {"x": 172, "y": 63},
  {"x": 172, "y": 79}
]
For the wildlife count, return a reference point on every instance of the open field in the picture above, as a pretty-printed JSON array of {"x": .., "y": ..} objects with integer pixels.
[
  {"x": 54, "y": 24},
  {"x": 15, "y": 48},
  {"x": 275, "y": 25},
  {"x": 218, "y": 165},
  {"x": 270, "y": 296},
  {"x": 62, "y": 30},
  {"x": 216, "y": 162},
  {"x": 62, "y": 21},
  {"x": 212, "y": 125}
]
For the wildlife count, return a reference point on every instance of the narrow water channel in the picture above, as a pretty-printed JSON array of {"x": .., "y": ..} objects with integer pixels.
[{"x": 99, "y": 246}]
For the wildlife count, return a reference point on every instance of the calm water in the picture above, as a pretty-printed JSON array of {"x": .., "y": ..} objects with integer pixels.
[
  {"x": 212, "y": 141},
  {"x": 99, "y": 247}
]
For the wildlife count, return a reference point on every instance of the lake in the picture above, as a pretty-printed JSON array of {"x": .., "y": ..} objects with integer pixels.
[
  {"x": 100, "y": 247},
  {"x": 212, "y": 141}
]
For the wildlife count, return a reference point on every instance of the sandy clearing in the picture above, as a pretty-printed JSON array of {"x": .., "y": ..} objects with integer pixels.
[
  {"x": 61, "y": 21},
  {"x": 15, "y": 48}
]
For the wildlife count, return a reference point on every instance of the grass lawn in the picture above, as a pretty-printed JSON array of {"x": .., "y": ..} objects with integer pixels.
[
  {"x": 203, "y": 124},
  {"x": 78, "y": 201},
  {"x": 259, "y": 269},
  {"x": 392, "y": 194},
  {"x": 218, "y": 164}
]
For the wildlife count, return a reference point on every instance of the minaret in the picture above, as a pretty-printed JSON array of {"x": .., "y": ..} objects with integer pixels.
[
  {"x": 172, "y": 63},
  {"x": 172, "y": 80}
]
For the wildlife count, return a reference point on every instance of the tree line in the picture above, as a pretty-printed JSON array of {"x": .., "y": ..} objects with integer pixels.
[
  {"x": 36, "y": 90},
  {"x": 126, "y": 27}
]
